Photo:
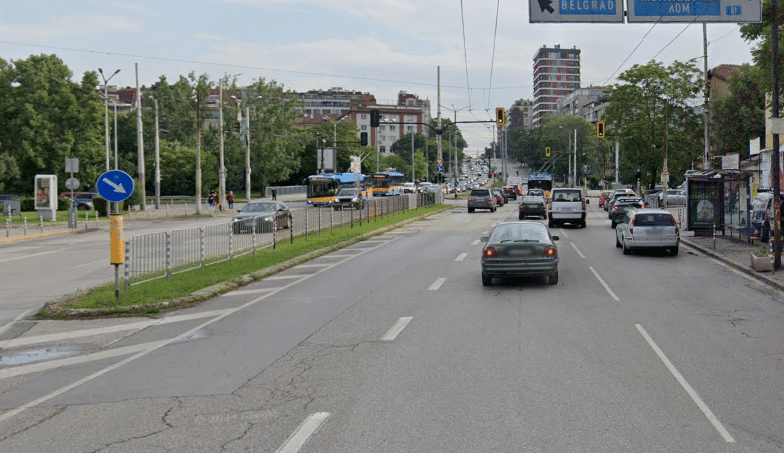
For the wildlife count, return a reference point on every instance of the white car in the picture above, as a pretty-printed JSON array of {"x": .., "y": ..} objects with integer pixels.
[
  {"x": 567, "y": 205},
  {"x": 648, "y": 229}
]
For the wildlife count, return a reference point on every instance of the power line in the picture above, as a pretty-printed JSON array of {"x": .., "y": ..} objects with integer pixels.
[
  {"x": 465, "y": 51},
  {"x": 632, "y": 53},
  {"x": 492, "y": 59}
]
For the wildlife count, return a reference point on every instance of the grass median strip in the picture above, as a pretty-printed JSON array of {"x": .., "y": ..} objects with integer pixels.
[{"x": 191, "y": 287}]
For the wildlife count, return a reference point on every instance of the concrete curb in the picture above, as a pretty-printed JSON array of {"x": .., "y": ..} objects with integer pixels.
[{"x": 745, "y": 269}]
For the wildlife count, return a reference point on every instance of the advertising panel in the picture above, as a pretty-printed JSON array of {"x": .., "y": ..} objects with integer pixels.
[
  {"x": 703, "y": 204},
  {"x": 46, "y": 192}
]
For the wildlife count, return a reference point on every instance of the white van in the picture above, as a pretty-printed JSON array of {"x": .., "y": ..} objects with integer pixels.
[{"x": 567, "y": 205}]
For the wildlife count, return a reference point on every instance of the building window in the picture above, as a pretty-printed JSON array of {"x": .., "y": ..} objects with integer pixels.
[
  {"x": 392, "y": 128},
  {"x": 410, "y": 128},
  {"x": 382, "y": 128},
  {"x": 363, "y": 116},
  {"x": 363, "y": 127},
  {"x": 382, "y": 149},
  {"x": 382, "y": 138}
]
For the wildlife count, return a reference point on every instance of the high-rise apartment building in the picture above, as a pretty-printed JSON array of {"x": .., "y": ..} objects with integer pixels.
[{"x": 556, "y": 74}]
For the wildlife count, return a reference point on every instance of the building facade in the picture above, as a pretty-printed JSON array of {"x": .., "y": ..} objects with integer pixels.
[
  {"x": 335, "y": 101},
  {"x": 556, "y": 74},
  {"x": 587, "y": 103},
  {"x": 521, "y": 114}
]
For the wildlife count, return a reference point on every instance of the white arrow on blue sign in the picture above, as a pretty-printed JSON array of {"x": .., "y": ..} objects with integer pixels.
[{"x": 115, "y": 185}]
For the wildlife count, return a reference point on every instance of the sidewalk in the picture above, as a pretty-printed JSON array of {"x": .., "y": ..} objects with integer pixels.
[{"x": 735, "y": 254}]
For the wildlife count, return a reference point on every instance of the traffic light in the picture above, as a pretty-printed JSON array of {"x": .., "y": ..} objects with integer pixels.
[
  {"x": 600, "y": 129},
  {"x": 500, "y": 116},
  {"x": 363, "y": 138},
  {"x": 375, "y": 118},
  {"x": 547, "y": 152}
]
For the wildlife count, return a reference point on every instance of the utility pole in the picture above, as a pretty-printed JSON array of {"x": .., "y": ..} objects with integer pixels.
[
  {"x": 774, "y": 37},
  {"x": 198, "y": 153},
  {"x": 438, "y": 124},
  {"x": 247, "y": 153},
  {"x": 140, "y": 140},
  {"x": 157, "y": 159},
  {"x": 221, "y": 168}
]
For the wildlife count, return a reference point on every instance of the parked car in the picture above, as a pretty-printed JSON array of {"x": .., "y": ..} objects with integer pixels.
[
  {"x": 622, "y": 206},
  {"x": 520, "y": 249},
  {"x": 481, "y": 199},
  {"x": 602, "y": 198},
  {"x": 84, "y": 201},
  {"x": 648, "y": 229},
  {"x": 675, "y": 197},
  {"x": 499, "y": 197},
  {"x": 262, "y": 217},
  {"x": 567, "y": 205},
  {"x": 533, "y": 205},
  {"x": 348, "y": 197}
]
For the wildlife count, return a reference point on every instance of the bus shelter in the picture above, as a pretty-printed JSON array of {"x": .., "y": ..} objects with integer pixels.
[{"x": 719, "y": 200}]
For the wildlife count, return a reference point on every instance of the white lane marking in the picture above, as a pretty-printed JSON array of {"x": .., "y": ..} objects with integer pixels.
[
  {"x": 313, "y": 265},
  {"x": 577, "y": 250},
  {"x": 136, "y": 326},
  {"x": 287, "y": 277},
  {"x": 299, "y": 437},
  {"x": 607, "y": 287},
  {"x": 10, "y": 324},
  {"x": 563, "y": 233},
  {"x": 30, "y": 255},
  {"x": 696, "y": 398},
  {"x": 245, "y": 292},
  {"x": 396, "y": 328},
  {"x": 460, "y": 257},
  {"x": 157, "y": 345},
  {"x": 437, "y": 284},
  {"x": 90, "y": 264}
]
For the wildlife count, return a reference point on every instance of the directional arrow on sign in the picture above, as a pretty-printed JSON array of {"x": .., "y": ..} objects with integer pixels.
[
  {"x": 117, "y": 187},
  {"x": 545, "y": 5}
]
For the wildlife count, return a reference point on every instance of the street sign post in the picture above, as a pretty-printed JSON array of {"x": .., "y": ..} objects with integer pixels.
[{"x": 116, "y": 186}]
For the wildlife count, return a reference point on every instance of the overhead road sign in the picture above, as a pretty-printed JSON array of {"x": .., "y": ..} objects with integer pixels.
[
  {"x": 699, "y": 11},
  {"x": 575, "y": 11},
  {"x": 115, "y": 185}
]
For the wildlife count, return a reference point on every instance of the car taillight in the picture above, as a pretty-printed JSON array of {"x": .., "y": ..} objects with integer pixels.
[
  {"x": 490, "y": 199},
  {"x": 489, "y": 252},
  {"x": 615, "y": 208},
  {"x": 470, "y": 199},
  {"x": 583, "y": 200},
  {"x": 550, "y": 251}
]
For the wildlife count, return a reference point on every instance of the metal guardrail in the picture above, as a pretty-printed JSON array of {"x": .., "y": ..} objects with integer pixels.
[
  {"x": 160, "y": 255},
  {"x": 286, "y": 190}
]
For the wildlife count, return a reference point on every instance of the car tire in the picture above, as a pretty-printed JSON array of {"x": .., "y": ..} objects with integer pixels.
[
  {"x": 486, "y": 280},
  {"x": 674, "y": 251},
  {"x": 617, "y": 242},
  {"x": 583, "y": 224},
  {"x": 550, "y": 224},
  {"x": 553, "y": 279},
  {"x": 520, "y": 217},
  {"x": 626, "y": 250},
  {"x": 470, "y": 210},
  {"x": 613, "y": 225}
]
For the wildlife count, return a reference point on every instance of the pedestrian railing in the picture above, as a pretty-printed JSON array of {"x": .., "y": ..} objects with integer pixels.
[{"x": 160, "y": 255}]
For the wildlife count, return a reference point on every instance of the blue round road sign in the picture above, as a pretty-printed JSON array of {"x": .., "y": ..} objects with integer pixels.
[{"x": 115, "y": 185}]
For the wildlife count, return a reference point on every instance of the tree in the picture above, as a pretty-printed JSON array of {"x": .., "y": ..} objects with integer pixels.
[
  {"x": 652, "y": 103},
  {"x": 758, "y": 34},
  {"x": 740, "y": 116},
  {"x": 46, "y": 117}
]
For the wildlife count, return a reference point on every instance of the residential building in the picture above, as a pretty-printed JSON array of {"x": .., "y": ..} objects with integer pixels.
[
  {"x": 521, "y": 114},
  {"x": 556, "y": 74},
  {"x": 587, "y": 103},
  {"x": 335, "y": 101}
]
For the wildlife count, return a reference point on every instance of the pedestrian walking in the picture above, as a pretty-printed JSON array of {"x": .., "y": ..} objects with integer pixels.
[
  {"x": 274, "y": 193},
  {"x": 230, "y": 199},
  {"x": 211, "y": 199}
]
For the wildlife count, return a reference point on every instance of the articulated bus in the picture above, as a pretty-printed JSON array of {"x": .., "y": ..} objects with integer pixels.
[
  {"x": 323, "y": 188},
  {"x": 387, "y": 183}
]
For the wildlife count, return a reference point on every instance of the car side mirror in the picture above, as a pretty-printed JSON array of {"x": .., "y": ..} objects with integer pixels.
[
  {"x": 556, "y": 238},
  {"x": 587, "y": 201},
  {"x": 484, "y": 238}
]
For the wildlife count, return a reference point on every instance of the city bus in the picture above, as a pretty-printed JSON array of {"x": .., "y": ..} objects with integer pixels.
[
  {"x": 541, "y": 180},
  {"x": 322, "y": 189},
  {"x": 387, "y": 183}
]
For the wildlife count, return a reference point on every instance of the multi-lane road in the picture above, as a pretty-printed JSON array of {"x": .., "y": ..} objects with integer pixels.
[{"x": 394, "y": 345}]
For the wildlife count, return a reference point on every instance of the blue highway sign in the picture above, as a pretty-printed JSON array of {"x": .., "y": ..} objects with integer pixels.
[{"x": 115, "y": 185}]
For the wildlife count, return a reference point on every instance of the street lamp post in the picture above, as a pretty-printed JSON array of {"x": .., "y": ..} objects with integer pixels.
[
  {"x": 106, "y": 109},
  {"x": 157, "y": 158}
]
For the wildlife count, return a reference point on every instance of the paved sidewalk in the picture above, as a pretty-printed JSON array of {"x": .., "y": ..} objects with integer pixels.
[{"x": 733, "y": 253}]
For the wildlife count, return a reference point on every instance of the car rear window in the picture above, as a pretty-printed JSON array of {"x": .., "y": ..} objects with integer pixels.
[
  {"x": 519, "y": 232},
  {"x": 653, "y": 219},
  {"x": 480, "y": 193},
  {"x": 567, "y": 195}
]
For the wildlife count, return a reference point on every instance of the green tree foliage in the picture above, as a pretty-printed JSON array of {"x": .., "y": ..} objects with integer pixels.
[
  {"x": 46, "y": 117},
  {"x": 9, "y": 171},
  {"x": 740, "y": 116},
  {"x": 651, "y": 103},
  {"x": 758, "y": 34}
]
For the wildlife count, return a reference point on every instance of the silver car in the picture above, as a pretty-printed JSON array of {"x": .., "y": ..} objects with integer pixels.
[
  {"x": 261, "y": 217},
  {"x": 648, "y": 229},
  {"x": 520, "y": 249}
]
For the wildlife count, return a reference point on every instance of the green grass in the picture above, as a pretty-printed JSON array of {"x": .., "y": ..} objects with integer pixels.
[{"x": 147, "y": 298}]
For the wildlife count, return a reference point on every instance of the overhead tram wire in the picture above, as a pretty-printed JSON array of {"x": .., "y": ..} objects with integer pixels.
[
  {"x": 465, "y": 51},
  {"x": 492, "y": 59},
  {"x": 632, "y": 52}
]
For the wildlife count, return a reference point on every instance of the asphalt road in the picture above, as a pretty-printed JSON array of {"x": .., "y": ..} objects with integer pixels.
[{"x": 394, "y": 345}]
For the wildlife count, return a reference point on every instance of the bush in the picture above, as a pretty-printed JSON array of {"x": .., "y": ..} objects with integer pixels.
[
  {"x": 27, "y": 204},
  {"x": 63, "y": 204}
]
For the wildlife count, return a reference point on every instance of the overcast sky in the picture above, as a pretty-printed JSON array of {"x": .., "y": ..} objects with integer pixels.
[{"x": 485, "y": 48}]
